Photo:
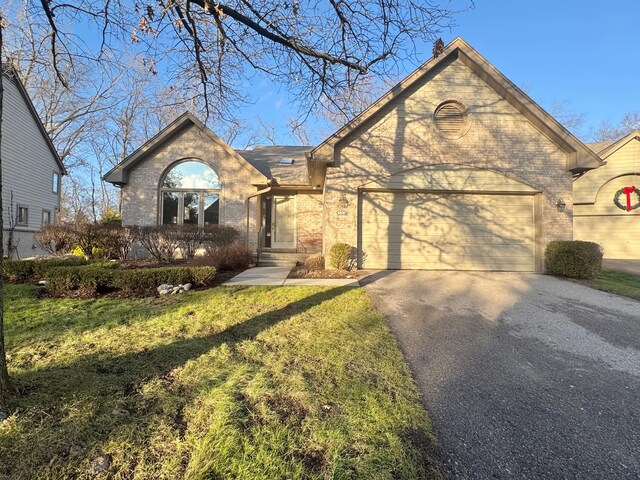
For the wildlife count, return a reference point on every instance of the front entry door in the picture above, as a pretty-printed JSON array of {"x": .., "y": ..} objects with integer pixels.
[{"x": 283, "y": 222}]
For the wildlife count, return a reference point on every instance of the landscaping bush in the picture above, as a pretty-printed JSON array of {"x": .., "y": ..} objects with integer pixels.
[
  {"x": 145, "y": 281},
  {"x": 115, "y": 240},
  {"x": 220, "y": 236},
  {"x": 315, "y": 262},
  {"x": 161, "y": 241},
  {"x": 26, "y": 270},
  {"x": 55, "y": 239},
  {"x": 190, "y": 239},
  {"x": 574, "y": 259},
  {"x": 86, "y": 237},
  {"x": 230, "y": 258},
  {"x": 340, "y": 256},
  {"x": 97, "y": 278},
  {"x": 87, "y": 280}
]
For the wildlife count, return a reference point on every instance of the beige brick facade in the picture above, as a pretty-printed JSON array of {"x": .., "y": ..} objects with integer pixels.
[
  {"x": 140, "y": 196},
  {"x": 517, "y": 146},
  {"x": 309, "y": 210},
  {"x": 402, "y": 136}
]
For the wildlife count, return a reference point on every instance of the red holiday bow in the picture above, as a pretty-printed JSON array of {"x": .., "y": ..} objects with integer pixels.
[{"x": 628, "y": 191}]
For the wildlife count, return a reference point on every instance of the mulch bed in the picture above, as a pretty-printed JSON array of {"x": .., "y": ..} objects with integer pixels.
[{"x": 301, "y": 271}]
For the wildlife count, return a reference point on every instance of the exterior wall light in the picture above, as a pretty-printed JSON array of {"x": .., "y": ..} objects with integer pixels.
[
  {"x": 561, "y": 205},
  {"x": 343, "y": 202}
]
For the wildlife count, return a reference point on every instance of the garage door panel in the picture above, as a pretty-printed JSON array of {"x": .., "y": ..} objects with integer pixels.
[
  {"x": 426, "y": 231},
  {"x": 493, "y": 264},
  {"x": 461, "y": 203},
  {"x": 424, "y": 251},
  {"x": 396, "y": 231}
]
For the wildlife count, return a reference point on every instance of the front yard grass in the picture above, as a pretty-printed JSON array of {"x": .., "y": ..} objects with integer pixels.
[
  {"x": 232, "y": 382},
  {"x": 622, "y": 283}
]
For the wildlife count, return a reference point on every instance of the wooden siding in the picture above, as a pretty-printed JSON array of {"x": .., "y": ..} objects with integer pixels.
[
  {"x": 618, "y": 235},
  {"x": 28, "y": 165},
  {"x": 403, "y": 230},
  {"x": 623, "y": 161},
  {"x": 600, "y": 220}
]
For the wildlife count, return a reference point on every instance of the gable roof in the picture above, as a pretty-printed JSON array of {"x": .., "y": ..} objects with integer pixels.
[
  {"x": 587, "y": 186},
  {"x": 119, "y": 174},
  {"x": 598, "y": 147},
  {"x": 11, "y": 74},
  {"x": 266, "y": 159},
  {"x": 618, "y": 144},
  {"x": 580, "y": 156}
]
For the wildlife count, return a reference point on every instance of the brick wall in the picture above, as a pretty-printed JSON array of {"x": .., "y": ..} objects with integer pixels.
[
  {"x": 140, "y": 204},
  {"x": 309, "y": 222},
  {"x": 402, "y": 136}
]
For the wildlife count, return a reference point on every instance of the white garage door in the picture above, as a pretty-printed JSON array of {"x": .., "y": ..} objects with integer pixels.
[
  {"x": 618, "y": 234},
  {"x": 401, "y": 230}
]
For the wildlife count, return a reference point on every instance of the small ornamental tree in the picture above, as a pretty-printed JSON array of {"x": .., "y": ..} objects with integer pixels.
[
  {"x": 55, "y": 239},
  {"x": 161, "y": 241},
  {"x": 115, "y": 240},
  {"x": 190, "y": 240}
]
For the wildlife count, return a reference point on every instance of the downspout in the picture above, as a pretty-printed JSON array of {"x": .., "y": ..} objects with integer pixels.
[{"x": 249, "y": 197}]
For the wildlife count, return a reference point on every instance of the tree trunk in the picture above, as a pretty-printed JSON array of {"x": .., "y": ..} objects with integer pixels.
[{"x": 5, "y": 382}]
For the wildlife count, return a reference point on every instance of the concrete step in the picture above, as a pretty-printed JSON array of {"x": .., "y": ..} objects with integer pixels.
[
  {"x": 276, "y": 263},
  {"x": 281, "y": 259}
]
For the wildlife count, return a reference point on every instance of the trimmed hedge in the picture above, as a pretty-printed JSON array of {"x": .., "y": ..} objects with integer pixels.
[
  {"x": 90, "y": 280},
  {"x": 144, "y": 281},
  {"x": 573, "y": 259},
  {"x": 16, "y": 271},
  {"x": 340, "y": 256}
]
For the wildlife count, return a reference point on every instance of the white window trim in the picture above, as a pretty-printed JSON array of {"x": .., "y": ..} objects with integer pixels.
[
  {"x": 50, "y": 217},
  {"x": 18, "y": 222},
  {"x": 55, "y": 185}
]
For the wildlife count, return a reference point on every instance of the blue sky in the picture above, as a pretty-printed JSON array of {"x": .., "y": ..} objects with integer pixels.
[{"x": 583, "y": 52}]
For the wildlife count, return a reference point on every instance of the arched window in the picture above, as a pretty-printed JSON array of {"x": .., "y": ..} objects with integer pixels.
[{"x": 190, "y": 195}]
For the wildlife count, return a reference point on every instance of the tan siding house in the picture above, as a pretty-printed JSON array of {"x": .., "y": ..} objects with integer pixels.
[
  {"x": 454, "y": 168},
  {"x": 596, "y": 217},
  {"x": 31, "y": 169}
]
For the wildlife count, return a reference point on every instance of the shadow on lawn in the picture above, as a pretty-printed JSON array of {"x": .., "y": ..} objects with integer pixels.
[{"x": 103, "y": 383}]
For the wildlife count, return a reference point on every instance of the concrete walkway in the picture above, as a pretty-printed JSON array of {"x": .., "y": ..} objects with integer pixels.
[{"x": 277, "y": 276}]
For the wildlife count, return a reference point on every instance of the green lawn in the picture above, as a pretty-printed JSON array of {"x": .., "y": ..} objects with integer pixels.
[
  {"x": 233, "y": 382},
  {"x": 621, "y": 283}
]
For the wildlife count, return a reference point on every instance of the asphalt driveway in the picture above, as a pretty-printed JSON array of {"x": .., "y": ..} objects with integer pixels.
[{"x": 525, "y": 376}]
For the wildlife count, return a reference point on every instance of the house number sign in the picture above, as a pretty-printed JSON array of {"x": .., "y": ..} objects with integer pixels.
[
  {"x": 342, "y": 212},
  {"x": 627, "y": 192}
]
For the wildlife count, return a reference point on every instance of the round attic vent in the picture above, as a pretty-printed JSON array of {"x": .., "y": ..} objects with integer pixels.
[{"x": 451, "y": 119}]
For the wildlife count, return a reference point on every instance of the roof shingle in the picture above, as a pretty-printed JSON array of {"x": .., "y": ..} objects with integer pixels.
[{"x": 266, "y": 159}]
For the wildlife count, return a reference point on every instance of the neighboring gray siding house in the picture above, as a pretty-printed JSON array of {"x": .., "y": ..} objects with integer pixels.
[{"x": 31, "y": 170}]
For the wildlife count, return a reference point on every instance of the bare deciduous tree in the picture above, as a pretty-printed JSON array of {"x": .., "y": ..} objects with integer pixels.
[
  {"x": 5, "y": 382},
  {"x": 608, "y": 131},
  {"x": 571, "y": 119},
  {"x": 316, "y": 49}
]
